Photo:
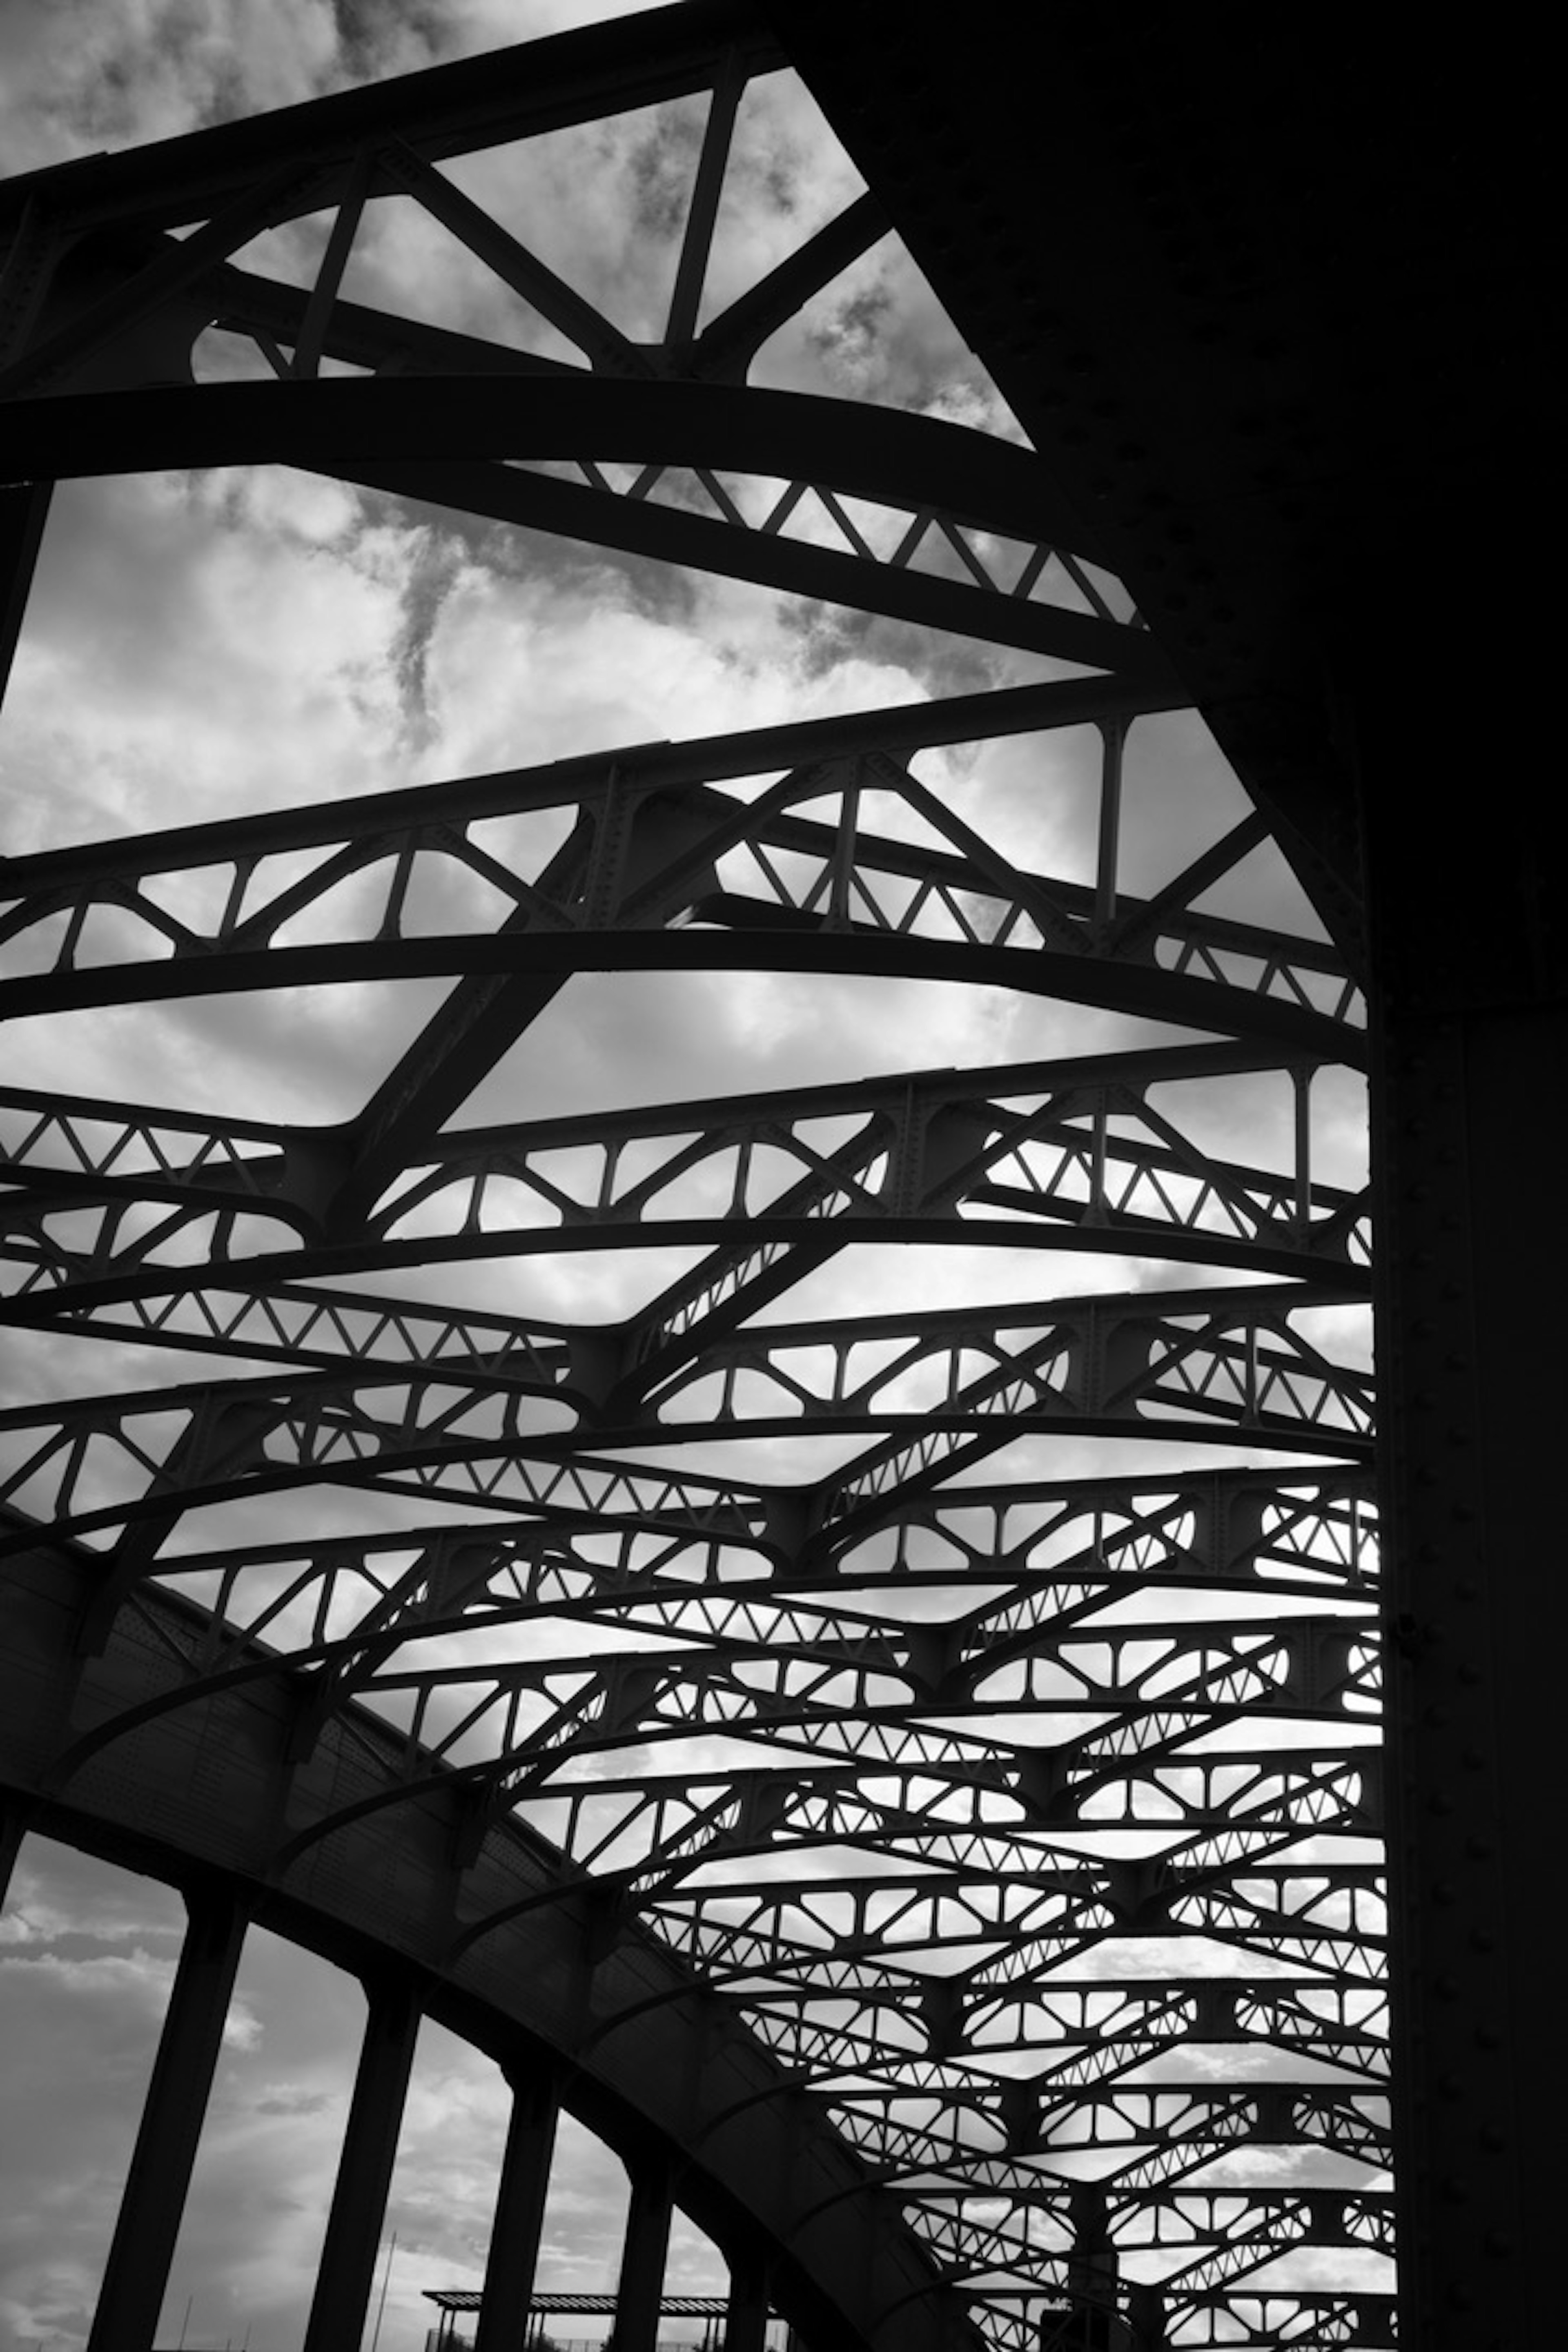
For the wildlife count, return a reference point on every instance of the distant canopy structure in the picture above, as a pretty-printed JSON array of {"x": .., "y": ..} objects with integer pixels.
[
  {"x": 460, "y": 2308},
  {"x": 690, "y": 1587}
]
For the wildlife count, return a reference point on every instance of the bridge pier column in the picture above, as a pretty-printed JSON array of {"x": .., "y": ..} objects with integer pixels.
[
  {"x": 137, "y": 2273},
  {"x": 746, "y": 2320},
  {"x": 364, "y": 2168},
  {"x": 643, "y": 2256},
  {"x": 519, "y": 2206}
]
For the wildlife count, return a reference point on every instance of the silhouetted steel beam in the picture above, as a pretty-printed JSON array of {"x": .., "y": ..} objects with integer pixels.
[{"x": 895, "y": 457}]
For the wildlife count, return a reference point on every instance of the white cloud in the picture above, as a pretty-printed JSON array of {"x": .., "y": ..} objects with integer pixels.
[
  {"x": 136, "y": 1978},
  {"x": 79, "y": 78}
]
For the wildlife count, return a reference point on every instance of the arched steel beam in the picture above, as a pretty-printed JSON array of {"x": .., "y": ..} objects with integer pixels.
[
  {"x": 1219, "y": 1527},
  {"x": 1226, "y": 1362},
  {"x": 669, "y": 2080},
  {"x": 270, "y": 1305},
  {"x": 1146, "y": 992},
  {"x": 892, "y": 456},
  {"x": 88, "y": 1148},
  {"x": 1060, "y": 1172}
]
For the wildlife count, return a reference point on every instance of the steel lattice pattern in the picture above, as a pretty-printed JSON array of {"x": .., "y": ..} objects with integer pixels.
[{"x": 1029, "y": 1815}]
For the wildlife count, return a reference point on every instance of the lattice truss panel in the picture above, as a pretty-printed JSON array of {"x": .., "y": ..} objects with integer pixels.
[{"x": 979, "y": 1688}]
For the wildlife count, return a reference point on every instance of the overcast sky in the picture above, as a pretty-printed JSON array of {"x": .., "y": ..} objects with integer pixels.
[{"x": 201, "y": 645}]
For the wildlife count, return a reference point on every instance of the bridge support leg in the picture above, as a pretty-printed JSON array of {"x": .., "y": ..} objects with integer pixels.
[
  {"x": 1146, "y": 2313},
  {"x": 137, "y": 2273},
  {"x": 643, "y": 2258},
  {"x": 520, "y": 2207},
  {"x": 364, "y": 2168},
  {"x": 746, "y": 2320}
]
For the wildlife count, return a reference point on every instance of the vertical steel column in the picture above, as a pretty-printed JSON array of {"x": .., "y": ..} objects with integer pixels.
[
  {"x": 519, "y": 2205},
  {"x": 1113, "y": 743},
  {"x": 641, "y": 2285},
  {"x": 137, "y": 2273},
  {"x": 364, "y": 2168},
  {"x": 746, "y": 2320},
  {"x": 1470, "y": 1120},
  {"x": 1146, "y": 2312}
]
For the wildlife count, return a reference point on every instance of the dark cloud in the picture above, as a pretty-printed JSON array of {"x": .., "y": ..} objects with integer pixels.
[
  {"x": 662, "y": 164},
  {"x": 434, "y": 570},
  {"x": 294, "y": 2102}
]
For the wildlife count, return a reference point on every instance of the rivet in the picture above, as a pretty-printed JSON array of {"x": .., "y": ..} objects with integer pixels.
[
  {"x": 1444, "y": 1892},
  {"x": 1492, "y": 2139},
  {"x": 1487, "y": 2038},
  {"x": 1454, "y": 2191},
  {"x": 1497, "y": 2244},
  {"x": 1483, "y": 1941},
  {"x": 1469, "y": 1674},
  {"x": 1479, "y": 1849}
]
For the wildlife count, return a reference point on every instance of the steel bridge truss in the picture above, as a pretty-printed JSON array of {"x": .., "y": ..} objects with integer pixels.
[{"x": 1022, "y": 1828}]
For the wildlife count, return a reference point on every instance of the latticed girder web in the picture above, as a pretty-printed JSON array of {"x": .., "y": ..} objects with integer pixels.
[{"x": 971, "y": 1671}]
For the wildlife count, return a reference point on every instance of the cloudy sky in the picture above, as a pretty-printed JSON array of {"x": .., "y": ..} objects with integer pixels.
[{"x": 200, "y": 645}]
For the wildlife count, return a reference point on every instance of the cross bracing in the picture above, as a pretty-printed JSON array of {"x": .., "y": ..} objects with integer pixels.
[{"x": 1018, "y": 1804}]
